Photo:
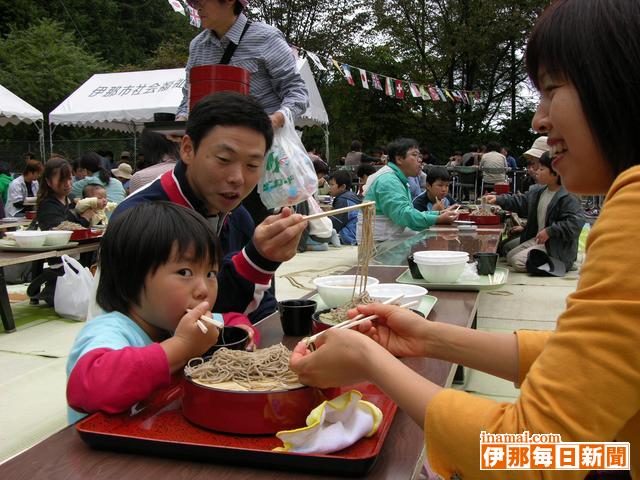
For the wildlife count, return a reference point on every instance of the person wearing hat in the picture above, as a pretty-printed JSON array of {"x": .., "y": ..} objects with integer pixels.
[
  {"x": 533, "y": 157},
  {"x": 554, "y": 222},
  {"x": 123, "y": 173}
]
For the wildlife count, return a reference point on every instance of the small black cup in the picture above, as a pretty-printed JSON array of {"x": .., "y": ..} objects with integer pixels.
[
  {"x": 164, "y": 117},
  {"x": 233, "y": 338},
  {"x": 295, "y": 316},
  {"x": 413, "y": 267},
  {"x": 486, "y": 263}
]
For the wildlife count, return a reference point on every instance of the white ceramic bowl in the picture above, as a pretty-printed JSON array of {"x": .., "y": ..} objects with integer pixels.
[
  {"x": 384, "y": 291},
  {"x": 441, "y": 273},
  {"x": 30, "y": 238},
  {"x": 57, "y": 237},
  {"x": 439, "y": 255},
  {"x": 334, "y": 290}
]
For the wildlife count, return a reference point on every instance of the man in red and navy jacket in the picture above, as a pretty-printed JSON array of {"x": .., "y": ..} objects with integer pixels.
[{"x": 227, "y": 137}]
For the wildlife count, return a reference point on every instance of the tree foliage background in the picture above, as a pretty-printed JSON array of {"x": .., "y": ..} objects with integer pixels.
[{"x": 49, "y": 47}]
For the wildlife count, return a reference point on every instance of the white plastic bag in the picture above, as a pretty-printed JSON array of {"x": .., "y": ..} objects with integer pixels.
[
  {"x": 73, "y": 290},
  {"x": 288, "y": 176},
  {"x": 318, "y": 227}
]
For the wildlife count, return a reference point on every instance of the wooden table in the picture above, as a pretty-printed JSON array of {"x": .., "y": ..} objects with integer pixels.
[
  {"x": 14, "y": 258},
  {"x": 16, "y": 224},
  {"x": 65, "y": 456}
]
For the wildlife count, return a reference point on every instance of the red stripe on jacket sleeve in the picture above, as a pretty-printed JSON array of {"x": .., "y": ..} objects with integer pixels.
[{"x": 249, "y": 271}]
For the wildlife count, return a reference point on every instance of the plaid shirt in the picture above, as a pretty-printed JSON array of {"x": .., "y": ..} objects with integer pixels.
[{"x": 275, "y": 81}]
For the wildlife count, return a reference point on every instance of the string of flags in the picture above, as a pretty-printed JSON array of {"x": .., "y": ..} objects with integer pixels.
[{"x": 393, "y": 87}]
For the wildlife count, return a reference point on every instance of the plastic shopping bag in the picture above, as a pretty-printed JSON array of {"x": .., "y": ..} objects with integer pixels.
[
  {"x": 73, "y": 290},
  {"x": 288, "y": 177},
  {"x": 319, "y": 227}
]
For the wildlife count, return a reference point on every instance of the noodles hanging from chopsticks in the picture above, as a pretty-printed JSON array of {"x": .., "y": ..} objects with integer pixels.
[
  {"x": 366, "y": 250},
  {"x": 265, "y": 369}
]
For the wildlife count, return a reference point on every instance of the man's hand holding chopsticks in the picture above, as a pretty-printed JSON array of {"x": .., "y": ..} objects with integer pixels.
[{"x": 277, "y": 238}]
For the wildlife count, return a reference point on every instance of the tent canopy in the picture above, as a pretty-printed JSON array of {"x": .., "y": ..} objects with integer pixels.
[
  {"x": 15, "y": 110},
  {"x": 122, "y": 101}
]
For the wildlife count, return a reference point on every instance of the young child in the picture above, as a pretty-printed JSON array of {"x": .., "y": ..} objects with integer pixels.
[
  {"x": 436, "y": 196},
  {"x": 581, "y": 381},
  {"x": 554, "y": 218},
  {"x": 157, "y": 260},
  {"x": 345, "y": 223},
  {"x": 94, "y": 196}
]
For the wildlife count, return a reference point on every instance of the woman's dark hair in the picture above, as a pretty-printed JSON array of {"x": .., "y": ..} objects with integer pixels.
[
  {"x": 435, "y": 173},
  {"x": 92, "y": 162},
  {"x": 343, "y": 177},
  {"x": 365, "y": 170},
  {"x": 155, "y": 146},
  {"x": 5, "y": 169},
  {"x": 33, "y": 166},
  {"x": 595, "y": 45},
  {"x": 228, "y": 109},
  {"x": 53, "y": 165},
  {"x": 356, "y": 146},
  {"x": 140, "y": 240},
  {"x": 400, "y": 147},
  {"x": 545, "y": 161},
  {"x": 320, "y": 167}
]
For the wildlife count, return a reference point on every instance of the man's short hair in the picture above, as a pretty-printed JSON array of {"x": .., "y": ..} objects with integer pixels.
[
  {"x": 437, "y": 173},
  {"x": 228, "y": 109},
  {"x": 356, "y": 146},
  {"x": 342, "y": 177},
  {"x": 400, "y": 147},
  {"x": 140, "y": 240}
]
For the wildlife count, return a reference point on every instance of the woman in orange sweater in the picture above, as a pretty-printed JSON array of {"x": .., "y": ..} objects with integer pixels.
[{"x": 581, "y": 381}]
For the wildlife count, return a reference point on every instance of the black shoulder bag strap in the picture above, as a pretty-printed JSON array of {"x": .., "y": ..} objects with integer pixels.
[{"x": 231, "y": 48}]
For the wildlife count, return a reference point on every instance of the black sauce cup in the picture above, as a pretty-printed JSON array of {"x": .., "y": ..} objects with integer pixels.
[
  {"x": 413, "y": 267},
  {"x": 486, "y": 263},
  {"x": 296, "y": 316}
]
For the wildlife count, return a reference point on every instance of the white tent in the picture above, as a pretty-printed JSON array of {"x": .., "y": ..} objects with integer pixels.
[
  {"x": 121, "y": 101},
  {"x": 15, "y": 110}
]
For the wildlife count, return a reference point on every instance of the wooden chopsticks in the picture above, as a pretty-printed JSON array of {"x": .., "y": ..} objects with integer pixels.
[
  {"x": 337, "y": 211},
  {"x": 209, "y": 320}
]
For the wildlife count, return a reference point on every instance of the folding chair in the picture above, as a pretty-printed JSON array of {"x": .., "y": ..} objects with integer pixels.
[{"x": 467, "y": 180}]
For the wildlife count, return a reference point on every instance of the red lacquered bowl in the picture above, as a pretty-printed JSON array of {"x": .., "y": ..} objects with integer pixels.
[
  {"x": 463, "y": 216},
  {"x": 501, "y": 188},
  {"x": 228, "y": 73},
  {"x": 84, "y": 234},
  {"x": 485, "y": 219},
  {"x": 30, "y": 215},
  {"x": 248, "y": 413}
]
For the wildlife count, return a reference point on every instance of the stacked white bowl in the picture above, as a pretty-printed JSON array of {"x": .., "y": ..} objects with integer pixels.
[{"x": 440, "y": 266}]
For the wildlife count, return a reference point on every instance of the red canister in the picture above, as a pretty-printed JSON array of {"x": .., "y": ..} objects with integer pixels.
[{"x": 207, "y": 79}]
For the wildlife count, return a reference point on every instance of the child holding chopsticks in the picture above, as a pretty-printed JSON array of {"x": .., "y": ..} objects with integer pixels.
[{"x": 157, "y": 260}]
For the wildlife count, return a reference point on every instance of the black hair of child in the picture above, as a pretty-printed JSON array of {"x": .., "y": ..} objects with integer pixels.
[
  {"x": 437, "y": 173},
  {"x": 342, "y": 177},
  {"x": 140, "y": 240}
]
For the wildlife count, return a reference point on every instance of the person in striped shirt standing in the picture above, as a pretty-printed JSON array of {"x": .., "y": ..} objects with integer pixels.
[{"x": 228, "y": 37}]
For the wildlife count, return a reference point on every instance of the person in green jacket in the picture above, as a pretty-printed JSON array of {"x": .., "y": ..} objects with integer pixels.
[
  {"x": 389, "y": 188},
  {"x": 5, "y": 180}
]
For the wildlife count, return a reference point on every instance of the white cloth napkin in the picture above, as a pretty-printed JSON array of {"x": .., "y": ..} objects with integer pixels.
[{"x": 333, "y": 425}]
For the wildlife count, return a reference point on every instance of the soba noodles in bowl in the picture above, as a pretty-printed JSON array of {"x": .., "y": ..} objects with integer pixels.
[{"x": 252, "y": 393}]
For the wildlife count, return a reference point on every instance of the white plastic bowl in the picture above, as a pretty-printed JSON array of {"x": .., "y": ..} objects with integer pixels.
[
  {"x": 334, "y": 290},
  {"x": 384, "y": 291},
  {"x": 57, "y": 237},
  {"x": 30, "y": 238},
  {"x": 441, "y": 273}
]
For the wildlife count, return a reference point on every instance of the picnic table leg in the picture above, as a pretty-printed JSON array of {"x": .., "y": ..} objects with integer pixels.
[
  {"x": 36, "y": 269},
  {"x": 5, "y": 306}
]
